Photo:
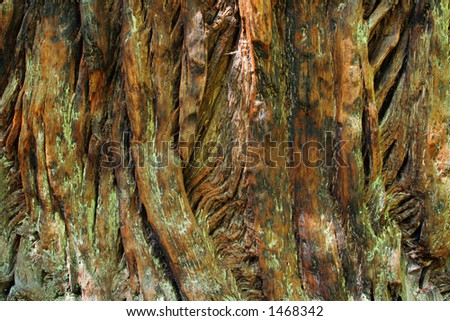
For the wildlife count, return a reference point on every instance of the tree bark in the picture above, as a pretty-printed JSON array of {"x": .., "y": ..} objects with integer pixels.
[{"x": 224, "y": 150}]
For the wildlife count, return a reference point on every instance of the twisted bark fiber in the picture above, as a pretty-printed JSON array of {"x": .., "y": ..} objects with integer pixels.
[{"x": 224, "y": 150}]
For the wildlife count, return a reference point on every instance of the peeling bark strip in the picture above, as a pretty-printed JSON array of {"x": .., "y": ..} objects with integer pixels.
[
  {"x": 133, "y": 83},
  {"x": 193, "y": 74}
]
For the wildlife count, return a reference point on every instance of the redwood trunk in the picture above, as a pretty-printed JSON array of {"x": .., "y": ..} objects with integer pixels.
[{"x": 224, "y": 150}]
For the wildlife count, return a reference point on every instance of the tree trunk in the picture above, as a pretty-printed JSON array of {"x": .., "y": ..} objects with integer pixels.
[{"x": 223, "y": 150}]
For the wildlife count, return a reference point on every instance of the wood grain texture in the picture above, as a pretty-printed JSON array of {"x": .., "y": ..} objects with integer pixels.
[{"x": 224, "y": 150}]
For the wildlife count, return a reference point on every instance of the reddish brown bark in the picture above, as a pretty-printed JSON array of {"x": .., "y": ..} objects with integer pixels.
[{"x": 327, "y": 176}]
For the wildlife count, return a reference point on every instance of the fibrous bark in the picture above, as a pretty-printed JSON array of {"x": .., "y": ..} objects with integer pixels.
[{"x": 224, "y": 150}]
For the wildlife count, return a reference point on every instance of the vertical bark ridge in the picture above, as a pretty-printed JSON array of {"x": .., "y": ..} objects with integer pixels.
[
  {"x": 269, "y": 197},
  {"x": 311, "y": 30},
  {"x": 199, "y": 273}
]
